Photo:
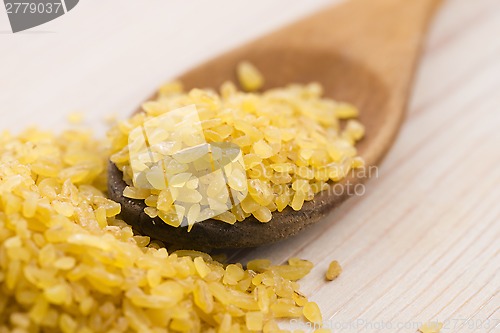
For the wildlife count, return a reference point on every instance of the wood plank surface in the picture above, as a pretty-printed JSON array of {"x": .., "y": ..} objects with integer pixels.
[{"x": 422, "y": 242}]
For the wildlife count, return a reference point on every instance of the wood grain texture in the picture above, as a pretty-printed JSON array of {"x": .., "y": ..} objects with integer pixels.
[{"x": 422, "y": 242}]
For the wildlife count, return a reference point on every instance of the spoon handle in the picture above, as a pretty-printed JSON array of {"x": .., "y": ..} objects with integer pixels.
[{"x": 385, "y": 36}]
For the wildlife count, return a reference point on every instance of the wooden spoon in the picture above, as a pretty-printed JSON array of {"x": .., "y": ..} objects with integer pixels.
[{"x": 362, "y": 51}]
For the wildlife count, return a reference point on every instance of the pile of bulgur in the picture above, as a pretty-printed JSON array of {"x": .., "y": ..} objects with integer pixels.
[
  {"x": 292, "y": 141},
  {"x": 68, "y": 264}
]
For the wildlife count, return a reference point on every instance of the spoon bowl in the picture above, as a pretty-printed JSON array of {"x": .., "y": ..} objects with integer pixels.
[{"x": 368, "y": 63}]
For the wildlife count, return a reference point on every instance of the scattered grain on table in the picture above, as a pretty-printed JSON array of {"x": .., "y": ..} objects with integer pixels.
[
  {"x": 431, "y": 327},
  {"x": 334, "y": 270}
]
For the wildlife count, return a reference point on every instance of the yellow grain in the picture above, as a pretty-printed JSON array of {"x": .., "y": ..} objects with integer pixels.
[
  {"x": 312, "y": 312},
  {"x": 249, "y": 76},
  {"x": 431, "y": 327},
  {"x": 334, "y": 270},
  {"x": 75, "y": 118}
]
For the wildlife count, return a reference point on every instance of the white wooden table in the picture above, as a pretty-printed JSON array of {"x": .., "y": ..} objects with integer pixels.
[{"x": 423, "y": 242}]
